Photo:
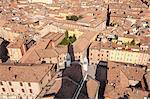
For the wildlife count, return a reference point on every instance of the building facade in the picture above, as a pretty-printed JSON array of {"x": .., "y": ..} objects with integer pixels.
[
  {"x": 98, "y": 52},
  {"x": 22, "y": 81}
]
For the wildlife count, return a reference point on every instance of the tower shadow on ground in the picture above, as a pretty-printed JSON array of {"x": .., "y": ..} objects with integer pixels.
[
  {"x": 101, "y": 76},
  {"x": 3, "y": 51}
]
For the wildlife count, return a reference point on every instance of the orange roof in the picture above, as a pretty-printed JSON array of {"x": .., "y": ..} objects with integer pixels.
[{"x": 23, "y": 72}]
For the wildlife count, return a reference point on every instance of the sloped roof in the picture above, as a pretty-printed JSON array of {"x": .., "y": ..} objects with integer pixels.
[{"x": 23, "y": 72}]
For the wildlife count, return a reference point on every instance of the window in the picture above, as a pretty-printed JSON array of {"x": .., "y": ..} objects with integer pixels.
[
  {"x": 102, "y": 54},
  {"x": 91, "y": 54},
  {"x": 10, "y": 83},
  {"x": 21, "y": 84},
  {"x": 29, "y": 84},
  {"x": 98, "y": 54},
  {"x": 30, "y": 90},
  {"x": 1, "y": 83},
  {"x": 12, "y": 90},
  {"x": 22, "y": 90},
  {"x": 3, "y": 89}
]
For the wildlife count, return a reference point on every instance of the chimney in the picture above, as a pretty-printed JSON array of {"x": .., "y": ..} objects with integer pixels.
[{"x": 15, "y": 76}]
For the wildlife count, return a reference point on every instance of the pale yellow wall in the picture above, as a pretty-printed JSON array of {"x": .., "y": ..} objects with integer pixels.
[
  {"x": 18, "y": 89},
  {"x": 61, "y": 14},
  {"x": 93, "y": 56},
  {"x": 62, "y": 59},
  {"x": 75, "y": 32},
  {"x": 129, "y": 57},
  {"x": 118, "y": 56},
  {"x": 98, "y": 55},
  {"x": 8, "y": 35},
  {"x": 124, "y": 39},
  {"x": 78, "y": 56},
  {"x": 15, "y": 54}
]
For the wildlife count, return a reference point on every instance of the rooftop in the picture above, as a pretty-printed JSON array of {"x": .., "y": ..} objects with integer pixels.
[
  {"x": 24, "y": 72},
  {"x": 131, "y": 72},
  {"x": 66, "y": 86},
  {"x": 84, "y": 41},
  {"x": 17, "y": 44},
  {"x": 45, "y": 48},
  {"x": 97, "y": 45}
]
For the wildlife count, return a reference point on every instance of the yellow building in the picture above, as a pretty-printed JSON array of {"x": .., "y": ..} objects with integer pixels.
[
  {"x": 128, "y": 40},
  {"x": 125, "y": 39},
  {"x": 104, "y": 52},
  {"x": 64, "y": 14},
  {"x": 75, "y": 32},
  {"x": 128, "y": 57},
  {"x": 8, "y": 35},
  {"x": 16, "y": 50}
]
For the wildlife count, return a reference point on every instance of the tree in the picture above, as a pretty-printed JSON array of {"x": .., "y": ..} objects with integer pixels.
[
  {"x": 139, "y": 44},
  {"x": 72, "y": 39},
  {"x": 66, "y": 34},
  {"x": 68, "y": 40},
  {"x": 67, "y": 18},
  {"x": 80, "y": 16},
  {"x": 74, "y": 17},
  {"x": 132, "y": 42}
]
